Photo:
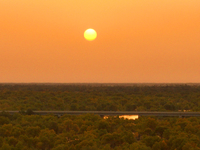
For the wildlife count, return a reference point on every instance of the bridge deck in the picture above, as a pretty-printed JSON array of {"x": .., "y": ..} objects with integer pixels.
[{"x": 114, "y": 113}]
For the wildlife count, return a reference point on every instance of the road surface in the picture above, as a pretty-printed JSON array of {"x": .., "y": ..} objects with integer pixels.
[{"x": 115, "y": 113}]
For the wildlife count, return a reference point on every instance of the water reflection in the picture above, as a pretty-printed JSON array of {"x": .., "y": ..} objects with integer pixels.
[
  {"x": 126, "y": 117},
  {"x": 129, "y": 117}
]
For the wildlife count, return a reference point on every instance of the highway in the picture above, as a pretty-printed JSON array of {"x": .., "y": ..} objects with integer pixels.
[{"x": 115, "y": 113}]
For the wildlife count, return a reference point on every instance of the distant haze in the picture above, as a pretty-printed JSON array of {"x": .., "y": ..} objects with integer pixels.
[{"x": 138, "y": 41}]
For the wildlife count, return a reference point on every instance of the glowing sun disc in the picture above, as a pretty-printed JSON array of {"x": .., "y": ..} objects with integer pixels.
[{"x": 90, "y": 34}]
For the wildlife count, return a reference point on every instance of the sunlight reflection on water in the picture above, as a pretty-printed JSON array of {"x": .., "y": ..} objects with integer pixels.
[{"x": 126, "y": 117}]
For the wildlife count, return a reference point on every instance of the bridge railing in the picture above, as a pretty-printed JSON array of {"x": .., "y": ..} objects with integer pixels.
[{"x": 113, "y": 113}]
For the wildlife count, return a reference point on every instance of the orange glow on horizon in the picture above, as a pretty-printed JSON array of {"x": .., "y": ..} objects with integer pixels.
[{"x": 138, "y": 41}]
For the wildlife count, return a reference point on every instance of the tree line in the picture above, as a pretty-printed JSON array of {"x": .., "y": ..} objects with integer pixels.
[
  {"x": 97, "y": 97},
  {"x": 89, "y": 132},
  {"x": 24, "y": 131}
]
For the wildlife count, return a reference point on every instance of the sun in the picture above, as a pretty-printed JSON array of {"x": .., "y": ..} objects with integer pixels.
[{"x": 90, "y": 34}]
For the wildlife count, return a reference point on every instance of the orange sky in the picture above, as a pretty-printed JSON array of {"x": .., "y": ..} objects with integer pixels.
[{"x": 137, "y": 41}]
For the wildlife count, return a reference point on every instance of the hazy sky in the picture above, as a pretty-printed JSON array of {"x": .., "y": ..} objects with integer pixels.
[{"x": 137, "y": 41}]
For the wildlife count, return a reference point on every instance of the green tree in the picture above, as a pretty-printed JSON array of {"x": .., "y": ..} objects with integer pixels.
[
  {"x": 113, "y": 139},
  {"x": 150, "y": 140},
  {"x": 61, "y": 147},
  {"x": 139, "y": 146},
  {"x": 6, "y": 147},
  {"x": 12, "y": 141}
]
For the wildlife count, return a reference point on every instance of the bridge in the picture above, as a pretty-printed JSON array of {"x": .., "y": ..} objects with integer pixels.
[{"x": 115, "y": 113}]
